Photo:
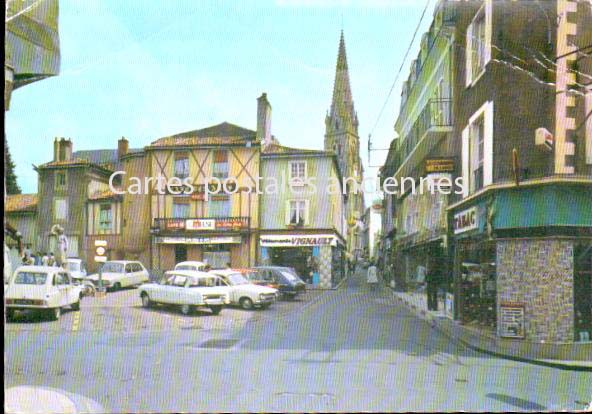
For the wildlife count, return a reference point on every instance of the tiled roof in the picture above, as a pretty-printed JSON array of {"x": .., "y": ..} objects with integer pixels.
[
  {"x": 20, "y": 203},
  {"x": 104, "y": 157},
  {"x": 65, "y": 163},
  {"x": 282, "y": 149},
  {"x": 103, "y": 195},
  {"x": 224, "y": 133}
]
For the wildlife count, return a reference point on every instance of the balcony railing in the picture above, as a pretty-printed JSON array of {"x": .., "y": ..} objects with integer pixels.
[
  {"x": 201, "y": 224},
  {"x": 437, "y": 114}
]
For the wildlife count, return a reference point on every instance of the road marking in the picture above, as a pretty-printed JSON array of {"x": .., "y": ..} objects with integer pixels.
[{"x": 76, "y": 321}]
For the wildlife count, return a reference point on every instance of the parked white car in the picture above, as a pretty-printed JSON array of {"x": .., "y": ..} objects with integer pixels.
[
  {"x": 187, "y": 289},
  {"x": 191, "y": 265},
  {"x": 118, "y": 274},
  {"x": 41, "y": 288},
  {"x": 244, "y": 293},
  {"x": 77, "y": 270}
]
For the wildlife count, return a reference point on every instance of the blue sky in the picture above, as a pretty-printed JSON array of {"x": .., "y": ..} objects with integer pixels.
[{"x": 144, "y": 69}]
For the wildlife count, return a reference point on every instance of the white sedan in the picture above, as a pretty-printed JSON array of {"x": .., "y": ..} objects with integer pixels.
[
  {"x": 187, "y": 289},
  {"x": 191, "y": 265},
  {"x": 118, "y": 274},
  {"x": 244, "y": 293},
  {"x": 41, "y": 288}
]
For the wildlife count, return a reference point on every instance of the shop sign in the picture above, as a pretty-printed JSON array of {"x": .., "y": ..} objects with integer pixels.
[
  {"x": 231, "y": 223},
  {"x": 200, "y": 240},
  {"x": 439, "y": 165},
  {"x": 449, "y": 305},
  {"x": 173, "y": 224},
  {"x": 298, "y": 240},
  {"x": 466, "y": 220},
  {"x": 200, "y": 224},
  {"x": 511, "y": 320}
]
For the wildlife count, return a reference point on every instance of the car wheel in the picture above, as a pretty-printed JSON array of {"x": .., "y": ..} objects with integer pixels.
[
  {"x": 146, "y": 302},
  {"x": 76, "y": 306},
  {"x": 55, "y": 313},
  {"x": 186, "y": 309},
  {"x": 216, "y": 309},
  {"x": 246, "y": 303}
]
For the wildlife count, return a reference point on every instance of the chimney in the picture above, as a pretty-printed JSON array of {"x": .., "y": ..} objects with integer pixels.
[
  {"x": 62, "y": 149},
  {"x": 263, "y": 120},
  {"x": 122, "y": 147},
  {"x": 56, "y": 149}
]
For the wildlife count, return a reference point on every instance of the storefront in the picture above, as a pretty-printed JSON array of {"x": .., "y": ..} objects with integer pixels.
[
  {"x": 318, "y": 258},
  {"x": 474, "y": 267},
  {"x": 523, "y": 262}
]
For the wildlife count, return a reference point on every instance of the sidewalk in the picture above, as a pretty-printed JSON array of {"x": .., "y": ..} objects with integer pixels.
[{"x": 573, "y": 356}]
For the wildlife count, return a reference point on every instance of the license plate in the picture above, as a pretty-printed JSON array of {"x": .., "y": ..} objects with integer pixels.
[{"x": 214, "y": 302}]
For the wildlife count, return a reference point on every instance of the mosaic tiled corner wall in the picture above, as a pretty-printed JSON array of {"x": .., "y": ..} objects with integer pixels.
[{"x": 538, "y": 274}]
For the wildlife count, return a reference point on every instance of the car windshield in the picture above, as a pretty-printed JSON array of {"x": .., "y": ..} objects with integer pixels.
[
  {"x": 30, "y": 278},
  {"x": 112, "y": 267},
  {"x": 73, "y": 266},
  {"x": 237, "y": 279},
  {"x": 290, "y": 276},
  {"x": 186, "y": 267}
]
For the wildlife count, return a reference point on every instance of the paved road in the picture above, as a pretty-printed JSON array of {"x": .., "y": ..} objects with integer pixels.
[{"x": 353, "y": 349}]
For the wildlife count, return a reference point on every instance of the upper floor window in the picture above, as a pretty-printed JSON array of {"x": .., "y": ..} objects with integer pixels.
[
  {"x": 181, "y": 166},
  {"x": 478, "y": 43},
  {"x": 60, "y": 208},
  {"x": 476, "y": 154},
  {"x": 297, "y": 172},
  {"x": 60, "y": 180},
  {"x": 297, "y": 212},
  {"x": 220, "y": 165},
  {"x": 105, "y": 218},
  {"x": 477, "y": 150},
  {"x": 219, "y": 206},
  {"x": 181, "y": 209}
]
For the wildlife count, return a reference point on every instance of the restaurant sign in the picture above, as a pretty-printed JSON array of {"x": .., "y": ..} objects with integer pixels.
[
  {"x": 439, "y": 165},
  {"x": 229, "y": 223},
  {"x": 297, "y": 240},
  {"x": 466, "y": 220}
]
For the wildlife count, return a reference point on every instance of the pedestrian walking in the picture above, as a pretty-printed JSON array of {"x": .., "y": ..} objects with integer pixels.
[
  {"x": 433, "y": 280},
  {"x": 372, "y": 277}
]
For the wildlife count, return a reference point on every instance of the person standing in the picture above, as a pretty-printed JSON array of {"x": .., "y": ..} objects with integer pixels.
[
  {"x": 45, "y": 259},
  {"x": 433, "y": 279},
  {"x": 372, "y": 277},
  {"x": 51, "y": 260}
]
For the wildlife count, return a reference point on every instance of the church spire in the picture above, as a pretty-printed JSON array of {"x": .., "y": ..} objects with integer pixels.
[{"x": 342, "y": 106}]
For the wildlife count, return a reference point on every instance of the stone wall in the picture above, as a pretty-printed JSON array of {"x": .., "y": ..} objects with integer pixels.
[{"x": 538, "y": 274}]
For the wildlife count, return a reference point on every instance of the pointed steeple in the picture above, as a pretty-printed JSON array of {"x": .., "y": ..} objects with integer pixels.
[{"x": 342, "y": 107}]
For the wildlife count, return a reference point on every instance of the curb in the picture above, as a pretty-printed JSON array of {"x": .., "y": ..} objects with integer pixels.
[{"x": 425, "y": 316}]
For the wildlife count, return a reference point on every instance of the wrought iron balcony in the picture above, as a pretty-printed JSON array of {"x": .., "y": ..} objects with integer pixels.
[
  {"x": 436, "y": 118},
  {"x": 201, "y": 224}
]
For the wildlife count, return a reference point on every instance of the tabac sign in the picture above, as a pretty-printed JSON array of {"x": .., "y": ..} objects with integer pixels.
[{"x": 466, "y": 220}]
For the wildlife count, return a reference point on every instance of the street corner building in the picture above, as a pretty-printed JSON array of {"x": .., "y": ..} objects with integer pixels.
[
  {"x": 499, "y": 96},
  {"x": 301, "y": 226}
]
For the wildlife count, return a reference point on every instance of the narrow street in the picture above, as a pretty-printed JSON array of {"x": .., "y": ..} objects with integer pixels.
[{"x": 342, "y": 350}]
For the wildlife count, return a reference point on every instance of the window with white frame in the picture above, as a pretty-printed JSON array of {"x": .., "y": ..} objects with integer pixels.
[
  {"x": 60, "y": 208},
  {"x": 477, "y": 150},
  {"x": 60, "y": 180},
  {"x": 476, "y": 154},
  {"x": 478, "y": 43},
  {"x": 297, "y": 212},
  {"x": 220, "y": 166},
  {"x": 297, "y": 172}
]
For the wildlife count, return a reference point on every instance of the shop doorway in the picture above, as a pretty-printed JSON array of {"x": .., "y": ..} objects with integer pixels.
[
  {"x": 583, "y": 291},
  {"x": 180, "y": 253},
  {"x": 217, "y": 256},
  {"x": 297, "y": 257}
]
